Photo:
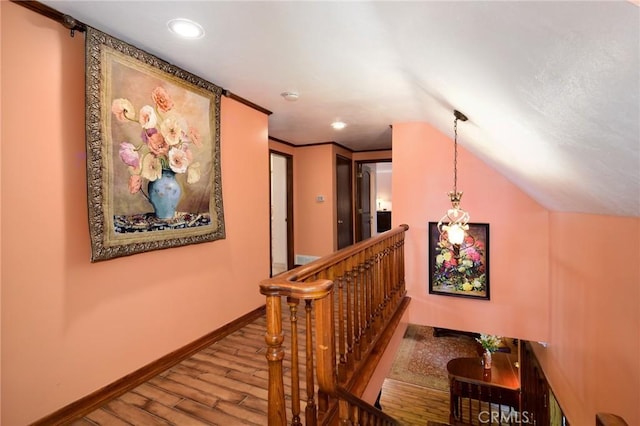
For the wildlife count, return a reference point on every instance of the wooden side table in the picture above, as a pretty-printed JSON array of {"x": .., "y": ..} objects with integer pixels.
[{"x": 469, "y": 380}]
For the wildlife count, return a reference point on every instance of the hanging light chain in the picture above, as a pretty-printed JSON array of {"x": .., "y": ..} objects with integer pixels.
[
  {"x": 455, "y": 222},
  {"x": 455, "y": 155},
  {"x": 455, "y": 195}
]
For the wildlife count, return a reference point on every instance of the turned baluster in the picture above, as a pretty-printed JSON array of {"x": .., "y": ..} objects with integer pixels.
[
  {"x": 342, "y": 344},
  {"x": 366, "y": 295},
  {"x": 350, "y": 311},
  {"x": 295, "y": 374},
  {"x": 310, "y": 409},
  {"x": 358, "y": 302},
  {"x": 325, "y": 350}
]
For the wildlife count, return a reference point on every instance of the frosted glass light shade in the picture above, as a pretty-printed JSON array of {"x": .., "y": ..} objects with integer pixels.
[{"x": 455, "y": 234}]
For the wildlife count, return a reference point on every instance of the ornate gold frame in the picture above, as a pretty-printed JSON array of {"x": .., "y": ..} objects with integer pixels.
[{"x": 115, "y": 69}]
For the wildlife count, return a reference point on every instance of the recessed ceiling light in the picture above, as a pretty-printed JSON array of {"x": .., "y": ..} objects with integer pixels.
[
  {"x": 338, "y": 125},
  {"x": 186, "y": 28}
]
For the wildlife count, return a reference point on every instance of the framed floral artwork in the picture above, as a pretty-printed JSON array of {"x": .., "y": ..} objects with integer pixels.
[
  {"x": 153, "y": 152},
  {"x": 460, "y": 270}
]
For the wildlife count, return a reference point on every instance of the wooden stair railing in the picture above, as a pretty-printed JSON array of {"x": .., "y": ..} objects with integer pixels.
[
  {"x": 608, "y": 419},
  {"x": 354, "y": 411},
  {"x": 351, "y": 300}
]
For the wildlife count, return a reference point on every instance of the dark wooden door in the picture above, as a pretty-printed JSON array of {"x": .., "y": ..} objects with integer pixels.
[
  {"x": 344, "y": 215},
  {"x": 363, "y": 191}
]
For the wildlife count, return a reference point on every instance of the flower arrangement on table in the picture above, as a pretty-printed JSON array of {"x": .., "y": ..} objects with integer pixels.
[
  {"x": 165, "y": 141},
  {"x": 489, "y": 342},
  {"x": 460, "y": 267}
]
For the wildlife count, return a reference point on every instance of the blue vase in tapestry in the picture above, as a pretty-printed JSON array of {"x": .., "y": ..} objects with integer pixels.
[{"x": 164, "y": 194}]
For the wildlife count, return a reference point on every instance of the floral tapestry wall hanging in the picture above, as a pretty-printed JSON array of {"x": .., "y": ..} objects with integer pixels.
[
  {"x": 460, "y": 270},
  {"x": 153, "y": 152}
]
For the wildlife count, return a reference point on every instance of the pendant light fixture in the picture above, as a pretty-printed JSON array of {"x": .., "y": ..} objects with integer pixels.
[{"x": 454, "y": 223}]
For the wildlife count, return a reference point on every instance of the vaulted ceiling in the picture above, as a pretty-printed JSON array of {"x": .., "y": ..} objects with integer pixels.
[{"x": 551, "y": 89}]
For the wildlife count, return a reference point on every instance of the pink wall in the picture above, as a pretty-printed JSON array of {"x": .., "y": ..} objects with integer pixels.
[
  {"x": 593, "y": 356},
  {"x": 570, "y": 280},
  {"x": 1, "y": 245},
  {"x": 314, "y": 174},
  {"x": 282, "y": 147},
  {"x": 314, "y": 221},
  {"x": 422, "y": 176},
  {"x": 70, "y": 327}
]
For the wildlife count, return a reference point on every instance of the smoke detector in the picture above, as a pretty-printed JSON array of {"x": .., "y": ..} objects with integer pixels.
[{"x": 290, "y": 96}]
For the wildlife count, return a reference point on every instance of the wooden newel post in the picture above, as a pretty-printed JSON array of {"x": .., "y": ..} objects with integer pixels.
[
  {"x": 275, "y": 354},
  {"x": 325, "y": 345}
]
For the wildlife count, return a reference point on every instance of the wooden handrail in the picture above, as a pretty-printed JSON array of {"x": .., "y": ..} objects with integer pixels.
[
  {"x": 351, "y": 299},
  {"x": 608, "y": 419},
  {"x": 357, "y": 412}
]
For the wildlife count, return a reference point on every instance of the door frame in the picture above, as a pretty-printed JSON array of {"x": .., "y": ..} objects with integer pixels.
[
  {"x": 349, "y": 163},
  {"x": 358, "y": 167},
  {"x": 359, "y": 225},
  {"x": 289, "y": 184}
]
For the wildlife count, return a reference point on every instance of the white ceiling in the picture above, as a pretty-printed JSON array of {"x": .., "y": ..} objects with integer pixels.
[{"x": 551, "y": 89}]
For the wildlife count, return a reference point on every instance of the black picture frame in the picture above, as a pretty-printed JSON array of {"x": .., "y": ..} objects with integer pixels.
[{"x": 460, "y": 271}]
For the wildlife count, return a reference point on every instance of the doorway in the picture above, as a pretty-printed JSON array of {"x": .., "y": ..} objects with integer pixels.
[
  {"x": 281, "y": 199},
  {"x": 344, "y": 210},
  {"x": 373, "y": 198},
  {"x": 364, "y": 222}
]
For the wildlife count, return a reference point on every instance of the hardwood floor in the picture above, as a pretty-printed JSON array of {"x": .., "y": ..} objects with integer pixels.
[
  {"x": 414, "y": 405},
  {"x": 226, "y": 384}
]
